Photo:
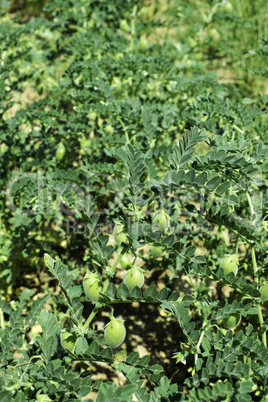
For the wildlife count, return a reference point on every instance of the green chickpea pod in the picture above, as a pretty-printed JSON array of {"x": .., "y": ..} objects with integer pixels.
[{"x": 115, "y": 333}]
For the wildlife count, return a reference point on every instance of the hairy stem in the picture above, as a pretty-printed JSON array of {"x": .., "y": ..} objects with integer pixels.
[
  {"x": 255, "y": 269},
  {"x": 112, "y": 269},
  {"x": 90, "y": 318},
  {"x": 199, "y": 344},
  {"x": 133, "y": 26}
]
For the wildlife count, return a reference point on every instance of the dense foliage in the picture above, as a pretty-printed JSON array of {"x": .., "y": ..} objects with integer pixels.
[{"x": 133, "y": 132}]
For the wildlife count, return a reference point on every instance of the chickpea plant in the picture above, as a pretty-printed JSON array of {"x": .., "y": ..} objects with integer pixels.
[
  {"x": 221, "y": 318},
  {"x": 133, "y": 185}
]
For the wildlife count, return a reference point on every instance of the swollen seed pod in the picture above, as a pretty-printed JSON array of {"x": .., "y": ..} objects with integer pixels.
[
  {"x": 115, "y": 333},
  {"x": 125, "y": 262},
  {"x": 156, "y": 251},
  {"x": 60, "y": 153},
  {"x": 232, "y": 320},
  {"x": 229, "y": 264},
  {"x": 92, "y": 286},
  {"x": 124, "y": 26},
  {"x": 162, "y": 220},
  {"x": 109, "y": 129},
  {"x": 134, "y": 277},
  {"x": 120, "y": 233},
  {"x": 264, "y": 291},
  {"x": 67, "y": 340},
  {"x": 143, "y": 43},
  {"x": 228, "y": 7}
]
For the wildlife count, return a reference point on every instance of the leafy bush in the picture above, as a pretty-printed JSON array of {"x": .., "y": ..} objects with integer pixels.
[{"x": 118, "y": 143}]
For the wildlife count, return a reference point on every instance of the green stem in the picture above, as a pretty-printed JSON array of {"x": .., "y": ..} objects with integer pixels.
[
  {"x": 238, "y": 129},
  {"x": 112, "y": 313},
  {"x": 112, "y": 269},
  {"x": 133, "y": 27},
  {"x": 250, "y": 205},
  {"x": 2, "y": 321},
  {"x": 255, "y": 269},
  {"x": 261, "y": 324},
  {"x": 125, "y": 130},
  {"x": 254, "y": 262},
  {"x": 88, "y": 321},
  {"x": 199, "y": 344},
  {"x": 96, "y": 262},
  {"x": 139, "y": 214},
  {"x": 236, "y": 246}
]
